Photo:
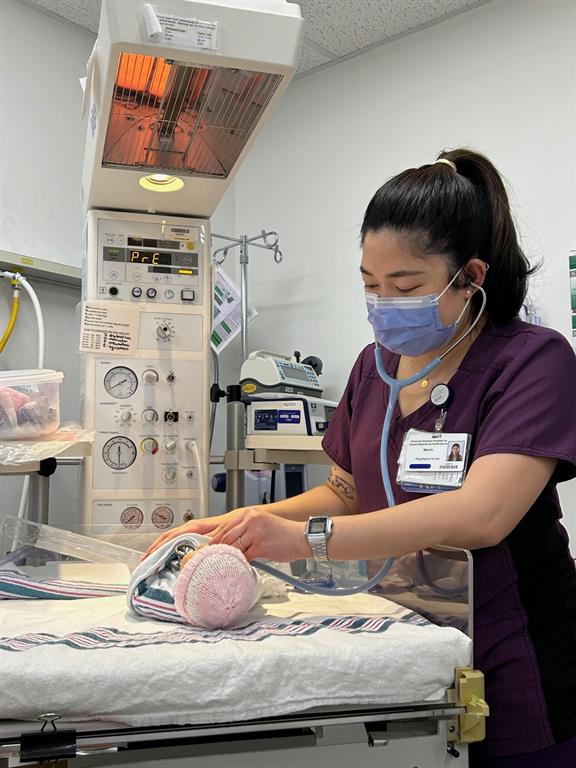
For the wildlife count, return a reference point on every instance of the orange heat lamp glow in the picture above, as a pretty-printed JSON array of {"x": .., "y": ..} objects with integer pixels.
[{"x": 137, "y": 72}]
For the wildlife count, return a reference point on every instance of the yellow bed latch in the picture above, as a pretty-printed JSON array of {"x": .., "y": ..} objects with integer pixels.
[{"x": 468, "y": 692}]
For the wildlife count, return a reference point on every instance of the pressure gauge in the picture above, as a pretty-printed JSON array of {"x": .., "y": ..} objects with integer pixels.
[
  {"x": 162, "y": 517},
  {"x": 119, "y": 452},
  {"x": 132, "y": 517},
  {"x": 120, "y": 382}
]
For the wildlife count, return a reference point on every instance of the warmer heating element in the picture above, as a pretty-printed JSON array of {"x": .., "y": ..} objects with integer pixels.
[{"x": 190, "y": 120}]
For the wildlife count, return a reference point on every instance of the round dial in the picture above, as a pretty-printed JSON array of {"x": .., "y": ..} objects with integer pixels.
[
  {"x": 132, "y": 517},
  {"x": 150, "y": 415},
  {"x": 169, "y": 474},
  {"x": 120, "y": 382},
  {"x": 164, "y": 331},
  {"x": 149, "y": 445},
  {"x": 119, "y": 452},
  {"x": 162, "y": 517}
]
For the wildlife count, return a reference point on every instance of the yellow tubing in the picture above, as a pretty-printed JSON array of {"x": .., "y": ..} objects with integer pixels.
[{"x": 13, "y": 316}]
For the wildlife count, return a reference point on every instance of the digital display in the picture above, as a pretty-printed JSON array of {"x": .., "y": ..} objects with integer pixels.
[
  {"x": 317, "y": 526},
  {"x": 114, "y": 254},
  {"x": 149, "y": 257},
  {"x": 147, "y": 242},
  {"x": 295, "y": 373},
  {"x": 163, "y": 258},
  {"x": 182, "y": 262}
]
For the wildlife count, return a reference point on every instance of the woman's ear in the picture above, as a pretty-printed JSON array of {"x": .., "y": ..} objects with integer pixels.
[{"x": 475, "y": 272}]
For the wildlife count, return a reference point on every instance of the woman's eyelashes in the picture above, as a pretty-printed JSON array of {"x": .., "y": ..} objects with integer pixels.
[{"x": 396, "y": 289}]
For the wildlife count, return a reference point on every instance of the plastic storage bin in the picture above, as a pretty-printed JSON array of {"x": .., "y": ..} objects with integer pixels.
[{"x": 29, "y": 403}]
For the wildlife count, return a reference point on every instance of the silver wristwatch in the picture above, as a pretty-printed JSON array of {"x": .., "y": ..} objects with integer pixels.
[{"x": 318, "y": 531}]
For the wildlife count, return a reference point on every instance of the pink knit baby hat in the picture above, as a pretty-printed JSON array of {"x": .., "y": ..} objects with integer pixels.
[{"x": 216, "y": 587}]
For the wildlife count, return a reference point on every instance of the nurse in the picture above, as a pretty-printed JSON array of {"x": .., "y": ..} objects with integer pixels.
[{"x": 440, "y": 241}]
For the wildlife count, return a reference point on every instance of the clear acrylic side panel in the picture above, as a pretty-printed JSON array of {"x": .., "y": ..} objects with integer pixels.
[
  {"x": 25, "y": 542},
  {"x": 436, "y": 583}
]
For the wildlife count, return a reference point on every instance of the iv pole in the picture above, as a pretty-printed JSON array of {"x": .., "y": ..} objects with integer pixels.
[
  {"x": 235, "y": 426},
  {"x": 270, "y": 243}
]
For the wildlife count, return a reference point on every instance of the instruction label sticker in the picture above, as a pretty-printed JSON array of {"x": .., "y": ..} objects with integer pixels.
[
  {"x": 190, "y": 33},
  {"x": 109, "y": 327},
  {"x": 227, "y": 311}
]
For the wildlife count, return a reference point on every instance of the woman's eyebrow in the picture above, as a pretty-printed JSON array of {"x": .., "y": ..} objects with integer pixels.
[{"x": 399, "y": 273}]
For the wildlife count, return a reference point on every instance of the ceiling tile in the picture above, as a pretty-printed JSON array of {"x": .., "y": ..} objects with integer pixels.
[
  {"x": 312, "y": 56},
  {"x": 84, "y": 13},
  {"x": 334, "y": 28},
  {"x": 343, "y": 27}
]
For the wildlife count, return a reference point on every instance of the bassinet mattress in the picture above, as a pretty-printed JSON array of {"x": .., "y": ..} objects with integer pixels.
[{"x": 92, "y": 659}]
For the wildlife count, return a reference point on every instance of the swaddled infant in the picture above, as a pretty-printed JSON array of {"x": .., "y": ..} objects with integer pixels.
[{"x": 210, "y": 586}]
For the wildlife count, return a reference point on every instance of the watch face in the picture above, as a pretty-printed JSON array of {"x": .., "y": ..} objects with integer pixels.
[{"x": 317, "y": 525}]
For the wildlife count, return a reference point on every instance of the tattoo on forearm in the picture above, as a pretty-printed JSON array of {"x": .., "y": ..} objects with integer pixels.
[{"x": 341, "y": 486}]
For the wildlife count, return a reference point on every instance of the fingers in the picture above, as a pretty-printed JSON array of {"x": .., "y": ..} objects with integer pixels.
[
  {"x": 161, "y": 540},
  {"x": 203, "y": 526}
]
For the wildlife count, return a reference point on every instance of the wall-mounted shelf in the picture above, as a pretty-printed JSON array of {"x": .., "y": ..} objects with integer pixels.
[{"x": 42, "y": 270}]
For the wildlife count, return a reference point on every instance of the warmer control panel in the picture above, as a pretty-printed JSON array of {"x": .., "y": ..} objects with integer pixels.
[
  {"x": 148, "y": 405},
  {"x": 149, "y": 426},
  {"x": 140, "y": 264}
]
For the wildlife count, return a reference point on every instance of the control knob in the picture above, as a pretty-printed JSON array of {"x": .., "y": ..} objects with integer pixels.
[
  {"x": 170, "y": 445},
  {"x": 163, "y": 331},
  {"x": 150, "y": 415},
  {"x": 150, "y": 376},
  {"x": 149, "y": 445},
  {"x": 169, "y": 474}
]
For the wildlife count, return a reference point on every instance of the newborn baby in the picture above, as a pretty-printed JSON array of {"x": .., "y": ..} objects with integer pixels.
[
  {"x": 210, "y": 586},
  {"x": 216, "y": 586}
]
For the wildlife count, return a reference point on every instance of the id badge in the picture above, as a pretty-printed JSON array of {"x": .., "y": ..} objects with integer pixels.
[{"x": 432, "y": 462}]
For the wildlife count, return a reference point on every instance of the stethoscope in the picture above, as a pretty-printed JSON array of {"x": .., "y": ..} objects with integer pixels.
[{"x": 396, "y": 386}]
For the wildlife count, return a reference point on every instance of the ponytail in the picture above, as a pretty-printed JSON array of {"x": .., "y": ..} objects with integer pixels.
[{"x": 460, "y": 214}]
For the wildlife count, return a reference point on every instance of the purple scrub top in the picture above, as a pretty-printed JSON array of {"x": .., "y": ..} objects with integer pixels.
[{"x": 514, "y": 392}]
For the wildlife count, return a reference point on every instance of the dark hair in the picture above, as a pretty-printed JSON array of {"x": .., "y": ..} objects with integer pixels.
[{"x": 460, "y": 214}]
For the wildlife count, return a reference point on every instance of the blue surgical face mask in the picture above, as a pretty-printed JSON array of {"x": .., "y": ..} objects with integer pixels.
[{"x": 410, "y": 325}]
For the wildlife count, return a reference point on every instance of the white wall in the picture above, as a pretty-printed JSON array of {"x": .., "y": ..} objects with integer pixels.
[
  {"x": 41, "y": 150},
  {"x": 500, "y": 78},
  {"x": 41, "y": 143}
]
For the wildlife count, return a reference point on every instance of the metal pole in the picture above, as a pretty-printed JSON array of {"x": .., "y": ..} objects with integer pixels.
[
  {"x": 235, "y": 441},
  {"x": 39, "y": 499},
  {"x": 244, "y": 294}
]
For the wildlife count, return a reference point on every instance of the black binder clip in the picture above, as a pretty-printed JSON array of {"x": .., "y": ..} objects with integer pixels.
[{"x": 47, "y": 744}]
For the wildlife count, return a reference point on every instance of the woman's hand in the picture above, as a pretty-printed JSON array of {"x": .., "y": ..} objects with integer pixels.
[
  {"x": 204, "y": 526},
  {"x": 258, "y": 533}
]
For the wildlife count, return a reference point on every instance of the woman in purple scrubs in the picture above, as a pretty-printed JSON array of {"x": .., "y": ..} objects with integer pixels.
[{"x": 446, "y": 229}]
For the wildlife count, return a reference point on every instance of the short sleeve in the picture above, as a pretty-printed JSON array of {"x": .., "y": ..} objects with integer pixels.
[
  {"x": 336, "y": 442},
  {"x": 531, "y": 406}
]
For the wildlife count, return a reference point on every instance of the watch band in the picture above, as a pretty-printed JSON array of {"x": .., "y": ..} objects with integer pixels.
[
  {"x": 319, "y": 548},
  {"x": 317, "y": 540}
]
